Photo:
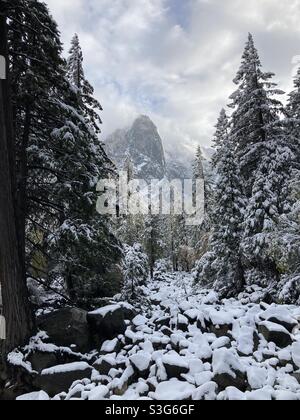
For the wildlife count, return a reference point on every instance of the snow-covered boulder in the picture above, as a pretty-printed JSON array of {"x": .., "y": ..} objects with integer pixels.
[
  {"x": 162, "y": 322},
  {"x": 175, "y": 365},
  {"x": 141, "y": 363},
  {"x": 99, "y": 393},
  {"x": 206, "y": 392},
  {"x": 257, "y": 377},
  {"x": 200, "y": 347},
  {"x": 279, "y": 315},
  {"x": 67, "y": 327},
  {"x": 59, "y": 379},
  {"x": 218, "y": 322},
  {"x": 228, "y": 370},
  {"x": 110, "y": 346},
  {"x": 120, "y": 385},
  {"x": 107, "y": 323},
  {"x": 192, "y": 315},
  {"x": 247, "y": 341},
  {"x": 173, "y": 390},
  {"x": 42, "y": 360},
  {"x": 34, "y": 396},
  {"x": 139, "y": 321},
  {"x": 232, "y": 394},
  {"x": 221, "y": 342},
  {"x": 105, "y": 364},
  {"x": 182, "y": 323},
  {"x": 275, "y": 333},
  {"x": 296, "y": 354}
]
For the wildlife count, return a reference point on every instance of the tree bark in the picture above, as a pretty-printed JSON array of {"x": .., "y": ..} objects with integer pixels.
[{"x": 16, "y": 306}]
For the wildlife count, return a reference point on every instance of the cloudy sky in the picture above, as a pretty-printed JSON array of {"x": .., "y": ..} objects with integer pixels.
[{"x": 174, "y": 60}]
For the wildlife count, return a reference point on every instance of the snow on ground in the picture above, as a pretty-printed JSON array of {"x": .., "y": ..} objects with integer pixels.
[{"x": 188, "y": 345}]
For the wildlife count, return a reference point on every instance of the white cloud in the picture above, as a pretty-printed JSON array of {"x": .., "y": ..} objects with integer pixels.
[{"x": 143, "y": 56}]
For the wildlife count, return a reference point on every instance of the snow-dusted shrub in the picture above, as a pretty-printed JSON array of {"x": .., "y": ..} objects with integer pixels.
[
  {"x": 289, "y": 290},
  {"x": 45, "y": 297},
  {"x": 161, "y": 268},
  {"x": 204, "y": 268},
  {"x": 136, "y": 270}
]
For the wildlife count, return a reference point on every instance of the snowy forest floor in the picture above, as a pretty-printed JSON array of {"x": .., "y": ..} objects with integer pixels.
[{"x": 188, "y": 345}]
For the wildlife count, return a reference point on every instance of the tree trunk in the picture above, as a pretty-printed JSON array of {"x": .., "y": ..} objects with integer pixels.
[{"x": 16, "y": 306}]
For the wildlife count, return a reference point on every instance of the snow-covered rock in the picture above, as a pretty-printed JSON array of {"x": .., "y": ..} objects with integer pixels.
[
  {"x": 34, "y": 396},
  {"x": 175, "y": 365},
  {"x": 224, "y": 350},
  {"x": 247, "y": 341},
  {"x": 275, "y": 333},
  {"x": 173, "y": 390},
  {"x": 279, "y": 315},
  {"x": 296, "y": 353},
  {"x": 228, "y": 370},
  {"x": 99, "y": 393},
  {"x": 206, "y": 392},
  {"x": 105, "y": 363},
  {"x": 257, "y": 377},
  {"x": 110, "y": 346},
  {"x": 67, "y": 326},
  {"x": 60, "y": 378},
  {"x": 107, "y": 323},
  {"x": 141, "y": 362}
]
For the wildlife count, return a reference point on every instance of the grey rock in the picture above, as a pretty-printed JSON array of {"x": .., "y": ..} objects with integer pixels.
[
  {"x": 60, "y": 380},
  {"x": 163, "y": 322},
  {"x": 288, "y": 326},
  {"x": 281, "y": 338},
  {"x": 107, "y": 326},
  {"x": 66, "y": 327},
  {"x": 42, "y": 360},
  {"x": 296, "y": 375},
  {"x": 221, "y": 331},
  {"x": 166, "y": 331},
  {"x": 225, "y": 380},
  {"x": 173, "y": 369},
  {"x": 104, "y": 365}
]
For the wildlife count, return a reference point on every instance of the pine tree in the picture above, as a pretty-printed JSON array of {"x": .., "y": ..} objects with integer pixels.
[
  {"x": 256, "y": 113},
  {"x": 287, "y": 239},
  {"x": 198, "y": 170},
  {"x": 221, "y": 267},
  {"x": 199, "y": 233},
  {"x": 60, "y": 160},
  {"x": 292, "y": 121},
  {"x": 287, "y": 251},
  {"x": 270, "y": 200},
  {"x": 84, "y": 242},
  {"x": 264, "y": 162},
  {"x": 136, "y": 271},
  {"x": 84, "y": 89},
  {"x": 130, "y": 226},
  {"x": 152, "y": 240},
  {"x": 178, "y": 237}
]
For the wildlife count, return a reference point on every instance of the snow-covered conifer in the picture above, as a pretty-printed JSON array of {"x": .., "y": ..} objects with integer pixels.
[
  {"x": 264, "y": 159},
  {"x": 136, "y": 270},
  {"x": 222, "y": 265},
  {"x": 85, "y": 91}
]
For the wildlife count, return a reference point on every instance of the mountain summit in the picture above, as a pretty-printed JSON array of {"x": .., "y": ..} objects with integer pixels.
[{"x": 143, "y": 144}]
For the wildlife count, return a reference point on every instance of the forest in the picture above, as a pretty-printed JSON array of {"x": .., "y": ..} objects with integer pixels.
[{"x": 136, "y": 306}]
